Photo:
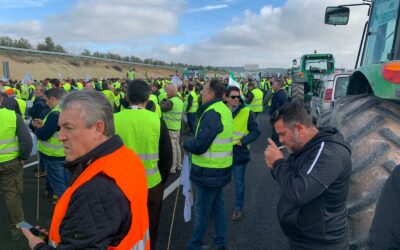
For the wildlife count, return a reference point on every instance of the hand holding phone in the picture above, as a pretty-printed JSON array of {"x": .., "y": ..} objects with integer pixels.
[{"x": 42, "y": 235}]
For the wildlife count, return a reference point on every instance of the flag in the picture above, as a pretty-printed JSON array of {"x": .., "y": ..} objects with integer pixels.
[
  {"x": 232, "y": 80},
  {"x": 187, "y": 188},
  {"x": 88, "y": 78},
  {"x": 27, "y": 78},
  {"x": 176, "y": 81}
]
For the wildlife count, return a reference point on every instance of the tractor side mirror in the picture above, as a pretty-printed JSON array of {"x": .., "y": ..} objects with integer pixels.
[{"x": 337, "y": 15}]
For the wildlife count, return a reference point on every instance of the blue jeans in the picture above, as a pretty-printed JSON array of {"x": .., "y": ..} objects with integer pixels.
[
  {"x": 239, "y": 170},
  {"x": 208, "y": 200},
  {"x": 57, "y": 175},
  {"x": 191, "y": 121}
]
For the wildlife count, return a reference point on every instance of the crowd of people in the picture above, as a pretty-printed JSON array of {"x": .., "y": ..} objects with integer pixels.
[{"x": 107, "y": 147}]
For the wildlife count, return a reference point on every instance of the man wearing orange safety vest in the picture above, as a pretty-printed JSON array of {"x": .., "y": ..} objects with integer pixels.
[{"x": 105, "y": 206}]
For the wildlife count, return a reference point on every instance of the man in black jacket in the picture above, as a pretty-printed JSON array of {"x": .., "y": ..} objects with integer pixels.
[
  {"x": 99, "y": 214},
  {"x": 209, "y": 181},
  {"x": 278, "y": 100},
  {"x": 313, "y": 181},
  {"x": 39, "y": 104},
  {"x": 385, "y": 228}
]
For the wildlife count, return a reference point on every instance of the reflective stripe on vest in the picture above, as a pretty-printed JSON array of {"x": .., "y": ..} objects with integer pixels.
[
  {"x": 9, "y": 148},
  {"x": 139, "y": 129},
  {"x": 240, "y": 125},
  {"x": 173, "y": 118},
  {"x": 51, "y": 147},
  {"x": 219, "y": 154},
  {"x": 256, "y": 103},
  {"x": 8, "y": 141},
  {"x": 126, "y": 169}
]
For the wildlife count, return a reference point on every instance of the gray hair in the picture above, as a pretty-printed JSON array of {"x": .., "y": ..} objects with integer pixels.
[{"x": 95, "y": 107}]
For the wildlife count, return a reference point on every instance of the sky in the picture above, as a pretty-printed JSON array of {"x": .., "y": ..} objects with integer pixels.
[{"x": 209, "y": 32}]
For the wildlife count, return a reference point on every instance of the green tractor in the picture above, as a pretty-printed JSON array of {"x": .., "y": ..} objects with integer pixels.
[
  {"x": 194, "y": 72},
  {"x": 369, "y": 116},
  {"x": 312, "y": 68}
]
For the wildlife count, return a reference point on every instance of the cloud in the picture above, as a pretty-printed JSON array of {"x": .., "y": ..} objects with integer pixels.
[
  {"x": 209, "y": 8},
  {"x": 274, "y": 36},
  {"x": 103, "y": 21},
  {"x": 270, "y": 37}
]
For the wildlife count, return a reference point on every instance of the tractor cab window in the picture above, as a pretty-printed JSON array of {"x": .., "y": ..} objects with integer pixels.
[
  {"x": 381, "y": 33},
  {"x": 317, "y": 65}
]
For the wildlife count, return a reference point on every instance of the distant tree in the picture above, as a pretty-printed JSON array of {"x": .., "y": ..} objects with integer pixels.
[
  {"x": 6, "y": 41},
  {"x": 86, "y": 52},
  {"x": 49, "y": 45},
  {"x": 23, "y": 44},
  {"x": 59, "y": 48}
]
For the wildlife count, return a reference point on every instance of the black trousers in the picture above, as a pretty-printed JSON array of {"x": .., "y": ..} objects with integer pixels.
[{"x": 154, "y": 204}]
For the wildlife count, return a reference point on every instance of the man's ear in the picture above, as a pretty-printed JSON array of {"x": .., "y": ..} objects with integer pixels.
[
  {"x": 300, "y": 128},
  {"x": 100, "y": 128}
]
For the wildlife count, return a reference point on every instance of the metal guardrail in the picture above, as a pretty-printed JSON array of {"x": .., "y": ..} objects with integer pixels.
[{"x": 82, "y": 57}]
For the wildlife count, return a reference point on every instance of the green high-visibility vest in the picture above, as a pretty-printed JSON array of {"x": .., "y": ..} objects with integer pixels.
[
  {"x": 67, "y": 87},
  {"x": 22, "y": 106},
  {"x": 9, "y": 149},
  {"x": 263, "y": 87},
  {"x": 240, "y": 122},
  {"x": 139, "y": 129},
  {"x": 173, "y": 117},
  {"x": 110, "y": 96},
  {"x": 79, "y": 85},
  {"x": 131, "y": 75},
  {"x": 18, "y": 93},
  {"x": 117, "y": 102},
  {"x": 219, "y": 154},
  {"x": 51, "y": 147},
  {"x": 195, "y": 102},
  {"x": 162, "y": 95},
  {"x": 153, "y": 98},
  {"x": 24, "y": 92},
  {"x": 256, "y": 104},
  {"x": 117, "y": 85},
  {"x": 31, "y": 88}
]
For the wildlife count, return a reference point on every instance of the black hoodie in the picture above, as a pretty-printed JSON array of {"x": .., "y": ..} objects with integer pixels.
[{"x": 314, "y": 184}]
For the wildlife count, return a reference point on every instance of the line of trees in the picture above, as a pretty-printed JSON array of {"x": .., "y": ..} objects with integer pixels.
[
  {"x": 22, "y": 43},
  {"x": 49, "y": 45}
]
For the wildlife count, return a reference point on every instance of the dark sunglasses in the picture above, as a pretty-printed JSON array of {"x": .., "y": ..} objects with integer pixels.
[{"x": 235, "y": 96}]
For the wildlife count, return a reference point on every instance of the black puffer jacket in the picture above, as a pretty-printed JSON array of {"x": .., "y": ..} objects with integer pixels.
[
  {"x": 98, "y": 214},
  {"x": 385, "y": 228},
  {"x": 314, "y": 184}
]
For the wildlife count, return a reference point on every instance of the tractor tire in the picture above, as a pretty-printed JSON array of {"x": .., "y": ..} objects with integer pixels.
[
  {"x": 324, "y": 118},
  {"x": 297, "y": 91},
  {"x": 372, "y": 127}
]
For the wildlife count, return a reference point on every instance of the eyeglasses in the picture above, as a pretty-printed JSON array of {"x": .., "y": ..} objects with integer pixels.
[{"x": 235, "y": 96}]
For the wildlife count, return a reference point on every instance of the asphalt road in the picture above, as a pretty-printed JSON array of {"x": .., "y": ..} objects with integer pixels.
[{"x": 258, "y": 229}]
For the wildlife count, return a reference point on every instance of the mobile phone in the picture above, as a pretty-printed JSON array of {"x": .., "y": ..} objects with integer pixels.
[{"x": 34, "y": 231}]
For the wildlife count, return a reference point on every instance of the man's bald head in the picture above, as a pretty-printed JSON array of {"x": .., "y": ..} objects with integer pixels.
[{"x": 172, "y": 90}]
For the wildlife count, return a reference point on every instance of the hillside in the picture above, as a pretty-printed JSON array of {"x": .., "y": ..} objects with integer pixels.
[{"x": 55, "y": 66}]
